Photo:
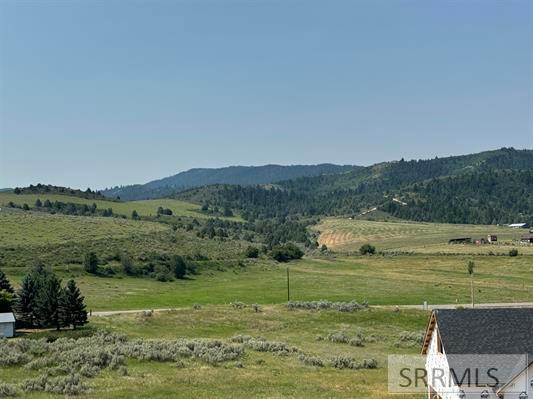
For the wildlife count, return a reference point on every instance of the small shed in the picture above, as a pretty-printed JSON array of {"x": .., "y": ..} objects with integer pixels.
[
  {"x": 527, "y": 239},
  {"x": 7, "y": 325}
]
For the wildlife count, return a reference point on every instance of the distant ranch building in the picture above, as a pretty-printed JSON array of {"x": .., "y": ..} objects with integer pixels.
[
  {"x": 7, "y": 325},
  {"x": 519, "y": 225},
  {"x": 527, "y": 239}
]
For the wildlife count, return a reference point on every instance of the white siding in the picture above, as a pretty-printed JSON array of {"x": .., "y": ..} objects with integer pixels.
[{"x": 512, "y": 391}]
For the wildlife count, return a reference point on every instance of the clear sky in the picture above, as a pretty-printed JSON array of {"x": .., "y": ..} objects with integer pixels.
[{"x": 100, "y": 93}]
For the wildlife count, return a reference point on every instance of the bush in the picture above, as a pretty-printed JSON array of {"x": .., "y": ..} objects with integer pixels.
[
  {"x": 513, "y": 252},
  {"x": 311, "y": 360},
  {"x": 352, "y": 306},
  {"x": 345, "y": 362},
  {"x": 251, "y": 252},
  {"x": 367, "y": 249},
  {"x": 7, "y": 390},
  {"x": 286, "y": 253}
]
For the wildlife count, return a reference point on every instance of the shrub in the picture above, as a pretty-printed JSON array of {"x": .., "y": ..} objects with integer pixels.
[
  {"x": 286, "y": 253},
  {"x": 345, "y": 362},
  {"x": 352, "y": 306},
  {"x": 367, "y": 249},
  {"x": 251, "y": 252},
  {"x": 7, "y": 390},
  {"x": 311, "y": 360},
  {"x": 513, "y": 252}
]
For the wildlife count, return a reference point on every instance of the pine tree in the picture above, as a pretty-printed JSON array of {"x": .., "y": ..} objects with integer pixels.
[
  {"x": 6, "y": 301},
  {"x": 5, "y": 285},
  {"x": 48, "y": 302},
  {"x": 72, "y": 308},
  {"x": 90, "y": 262},
  {"x": 25, "y": 305}
]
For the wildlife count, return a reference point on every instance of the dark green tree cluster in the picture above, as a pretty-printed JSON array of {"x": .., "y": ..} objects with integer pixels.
[
  {"x": 50, "y": 189},
  {"x": 286, "y": 252},
  {"x": 6, "y": 293},
  {"x": 164, "y": 211},
  {"x": 367, "y": 249},
  {"x": 41, "y": 301},
  {"x": 65, "y": 208}
]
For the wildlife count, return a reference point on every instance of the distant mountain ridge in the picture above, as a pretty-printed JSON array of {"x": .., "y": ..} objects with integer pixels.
[
  {"x": 239, "y": 175},
  {"x": 483, "y": 188}
]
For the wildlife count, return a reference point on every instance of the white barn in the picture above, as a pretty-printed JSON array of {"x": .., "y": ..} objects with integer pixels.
[
  {"x": 458, "y": 339},
  {"x": 7, "y": 325}
]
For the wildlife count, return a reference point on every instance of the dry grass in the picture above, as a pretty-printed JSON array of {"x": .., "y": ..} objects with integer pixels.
[{"x": 342, "y": 234}]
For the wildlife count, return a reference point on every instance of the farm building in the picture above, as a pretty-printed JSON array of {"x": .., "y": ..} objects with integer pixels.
[
  {"x": 7, "y": 325},
  {"x": 519, "y": 225},
  {"x": 475, "y": 342},
  {"x": 492, "y": 238},
  {"x": 527, "y": 239}
]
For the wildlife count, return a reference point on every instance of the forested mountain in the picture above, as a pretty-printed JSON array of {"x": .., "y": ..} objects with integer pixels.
[
  {"x": 241, "y": 175},
  {"x": 489, "y": 187}
]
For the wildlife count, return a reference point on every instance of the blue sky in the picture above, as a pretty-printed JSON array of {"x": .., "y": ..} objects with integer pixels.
[{"x": 100, "y": 93}]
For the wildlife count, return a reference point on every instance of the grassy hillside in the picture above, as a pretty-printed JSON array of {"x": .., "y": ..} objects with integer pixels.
[
  {"x": 344, "y": 234},
  {"x": 143, "y": 208},
  {"x": 63, "y": 240}
]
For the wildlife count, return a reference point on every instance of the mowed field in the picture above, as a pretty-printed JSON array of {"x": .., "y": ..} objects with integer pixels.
[
  {"x": 143, "y": 208},
  {"x": 342, "y": 234}
]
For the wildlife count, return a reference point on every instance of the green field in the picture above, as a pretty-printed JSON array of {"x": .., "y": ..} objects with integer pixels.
[
  {"x": 257, "y": 374},
  {"x": 347, "y": 235},
  {"x": 415, "y": 265},
  {"x": 395, "y": 280},
  {"x": 143, "y": 208}
]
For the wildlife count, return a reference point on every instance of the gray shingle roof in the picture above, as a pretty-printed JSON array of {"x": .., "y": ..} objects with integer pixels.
[
  {"x": 486, "y": 331},
  {"x": 7, "y": 318}
]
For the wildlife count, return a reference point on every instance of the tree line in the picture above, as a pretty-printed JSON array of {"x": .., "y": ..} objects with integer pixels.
[{"x": 42, "y": 301}]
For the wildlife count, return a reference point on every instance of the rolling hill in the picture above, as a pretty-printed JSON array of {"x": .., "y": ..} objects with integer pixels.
[
  {"x": 242, "y": 175},
  {"x": 484, "y": 188}
]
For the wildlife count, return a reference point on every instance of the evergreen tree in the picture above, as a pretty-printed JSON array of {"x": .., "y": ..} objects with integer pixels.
[
  {"x": 90, "y": 263},
  {"x": 5, "y": 285},
  {"x": 134, "y": 215},
  {"x": 180, "y": 266},
  {"x": 48, "y": 302},
  {"x": 25, "y": 305},
  {"x": 72, "y": 307},
  {"x": 6, "y": 301},
  {"x": 38, "y": 203}
]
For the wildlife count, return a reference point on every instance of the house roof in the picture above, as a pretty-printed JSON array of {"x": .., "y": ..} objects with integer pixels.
[
  {"x": 486, "y": 331},
  {"x": 7, "y": 318}
]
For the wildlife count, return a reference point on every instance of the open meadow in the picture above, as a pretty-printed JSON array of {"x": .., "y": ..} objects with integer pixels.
[
  {"x": 285, "y": 353},
  {"x": 347, "y": 235},
  {"x": 381, "y": 280}
]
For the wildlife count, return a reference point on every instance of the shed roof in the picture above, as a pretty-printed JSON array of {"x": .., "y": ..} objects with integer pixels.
[
  {"x": 7, "y": 318},
  {"x": 486, "y": 331}
]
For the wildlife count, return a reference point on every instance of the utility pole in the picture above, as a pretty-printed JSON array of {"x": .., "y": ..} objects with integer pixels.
[{"x": 288, "y": 286}]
